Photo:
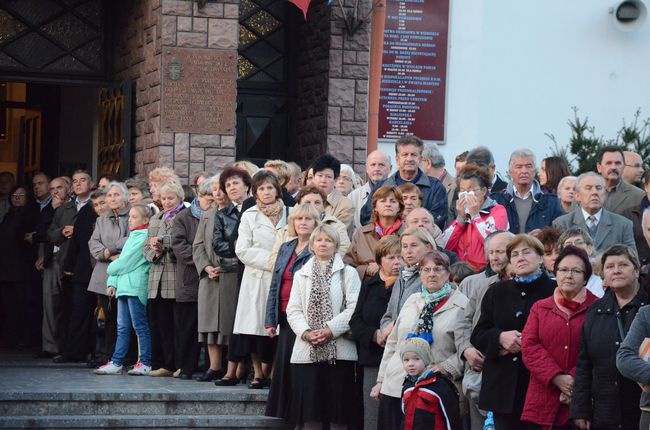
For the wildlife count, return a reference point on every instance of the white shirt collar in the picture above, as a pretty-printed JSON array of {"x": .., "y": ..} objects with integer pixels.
[
  {"x": 597, "y": 215},
  {"x": 525, "y": 196}
]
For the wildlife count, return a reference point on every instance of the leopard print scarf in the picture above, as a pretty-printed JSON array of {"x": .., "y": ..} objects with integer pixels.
[{"x": 319, "y": 310}]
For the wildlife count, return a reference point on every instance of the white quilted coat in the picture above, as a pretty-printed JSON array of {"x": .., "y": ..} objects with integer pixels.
[{"x": 297, "y": 309}]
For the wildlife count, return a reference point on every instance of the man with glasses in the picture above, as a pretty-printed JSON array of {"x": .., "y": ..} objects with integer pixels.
[
  {"x": 633, "y": 170},
  {"x": 605, "y": 227}
]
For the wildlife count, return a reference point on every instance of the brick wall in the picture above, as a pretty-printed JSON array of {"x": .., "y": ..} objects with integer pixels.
[{"x": 347, "y": 114}]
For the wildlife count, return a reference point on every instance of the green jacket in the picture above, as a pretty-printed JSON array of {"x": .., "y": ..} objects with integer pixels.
[{"x": 129, "y": 274}]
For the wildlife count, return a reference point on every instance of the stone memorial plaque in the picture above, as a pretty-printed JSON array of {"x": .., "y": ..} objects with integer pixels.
[{"x": 199, "y": 91}]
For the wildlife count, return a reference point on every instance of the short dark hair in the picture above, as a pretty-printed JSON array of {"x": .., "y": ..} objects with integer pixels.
[
  {"x": 95, "y": 194},
  {"x": 110, "y": 176},
  {"x": 229, "y": 172},
  {"x": 480, "y": 155},
  {"x": 610, "y": 148},
  {"x": 620, "y": 250},
  {"x": 462, "y": 157},
  {"x": 459, "y": 271},
  {"x": 480, "y": 174},
  {"x": 577, "y": 252},
  {"x": 549, "y": 236},
  {"x": 262, "y": 177},
  {"x": 310, "y": 190},
  {"x": 436, "y": 257},
  {"x": 327, "y": 161},
  {"x": 409, "y": 139}
]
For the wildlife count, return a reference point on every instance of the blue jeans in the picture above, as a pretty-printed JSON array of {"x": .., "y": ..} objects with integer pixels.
[{"x": 132, "y": 313}]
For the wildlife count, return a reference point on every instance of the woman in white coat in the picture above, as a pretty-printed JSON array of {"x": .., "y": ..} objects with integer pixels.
[
  {"x": 435, "y": 311},
  {"x": 258, "y": 228},
  {"x": 323, "y": 297}
]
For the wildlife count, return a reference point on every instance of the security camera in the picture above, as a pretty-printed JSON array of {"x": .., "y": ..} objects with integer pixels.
[{"x": 629, "y": 15}]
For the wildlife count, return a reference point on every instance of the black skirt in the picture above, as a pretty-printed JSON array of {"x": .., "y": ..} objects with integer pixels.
[
  {"x": 279, "y": 400},
  {"x": 324, "y": 393},
  {"x": 241, "y": 346},
  {"x": 390, "y": 413}
]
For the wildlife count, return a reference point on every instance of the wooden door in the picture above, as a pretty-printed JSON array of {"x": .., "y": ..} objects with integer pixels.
[{"x": 114, "y": 142}]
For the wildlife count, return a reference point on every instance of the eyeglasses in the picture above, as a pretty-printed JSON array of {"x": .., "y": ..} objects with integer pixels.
[
  {"x": 564, "y": 271},
  {"x": 430, "y": 270},
  {"x": 635, "y": 166},
  {"x": 18, "y": 195},
  {"x": 577, "y": 242}
]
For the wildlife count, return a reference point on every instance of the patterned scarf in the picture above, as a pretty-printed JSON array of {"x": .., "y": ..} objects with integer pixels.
[
  {"x": 273, "y": 211},
  {"x": 168, "y": 217},
  {"x": 319, "y": 310},
  {"x": 529, "y": 279},
  {"x": 408, "y": 272},
  {"x": 381, "y": 232},
  {"x": 424, "y": 327},
  {"x": 195, "y": 207}
]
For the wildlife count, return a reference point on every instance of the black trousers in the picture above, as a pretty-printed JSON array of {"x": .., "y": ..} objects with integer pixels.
[
  {"x": 161, "y": 323},
  {"x": 67, "y": 293},
  {"x": 34, "y": 310},
  {"x": 80, "y": 336},
  {"x": 390, "y": 413},
  {"x": 11, "y": 306},
  {"x": 186, "y": 347}
]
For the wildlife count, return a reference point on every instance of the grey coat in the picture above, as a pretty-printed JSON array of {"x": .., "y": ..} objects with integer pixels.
[
  {"x": 624, "y": 197},
  {"x": 402, "y": 290},
  {"x": 187, "y": 279},
  {"x": 111, "y": 232},
  {"x": 628, "y": 361},
  {"x": 64, "y": 215},
  {"x": 611, "y": 230}
]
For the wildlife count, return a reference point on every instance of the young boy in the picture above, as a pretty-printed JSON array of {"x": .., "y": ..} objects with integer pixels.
[{"x": 429, "y": 399}]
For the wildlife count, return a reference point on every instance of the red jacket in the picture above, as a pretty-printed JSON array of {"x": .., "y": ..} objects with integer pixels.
[
  {"x": 430, "y": 404},
  {"x": 550, "y": 344},
  {"x": 467, "y": 240}
]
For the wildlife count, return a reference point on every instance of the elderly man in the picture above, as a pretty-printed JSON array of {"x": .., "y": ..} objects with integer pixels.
[
  {"x": 377, "y": 169},
  {"x": 474, "y": 287},
  {"x": 633, "y": 170},
  {"x": 528, "y": 208},
  {"x": 619, "y": 194},
  {"x": 408, "y": 152},
  {"x": 605, "y": 227},
  {"x": 433, "y": 164}
]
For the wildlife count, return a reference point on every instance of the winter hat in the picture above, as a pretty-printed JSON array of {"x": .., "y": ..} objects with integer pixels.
[
  {"x": 419, "y": 346},
  {"x": 326, "y": 161}
]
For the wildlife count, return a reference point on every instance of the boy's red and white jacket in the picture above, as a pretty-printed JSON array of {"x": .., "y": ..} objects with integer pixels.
[
  {"x": 430, "y": 403},
  {"x": 466, "y": 239}
]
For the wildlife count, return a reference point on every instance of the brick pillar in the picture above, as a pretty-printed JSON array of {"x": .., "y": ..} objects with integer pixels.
[{"x": 347, "y": 113}]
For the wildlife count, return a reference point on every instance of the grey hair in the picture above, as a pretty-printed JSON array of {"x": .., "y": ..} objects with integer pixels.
[
  {"x": 522, "y": 153},
  {"x": 327, "y": 231},
  {"x": 589, "y": 175},
  {"x": 348, "y": 169},
  {"x": 566, "y": 178},
  {"x": 121, "y": 187},
  {"x": 480, "y": 155},
  {"x": 205, "y": 188},
  {"x": 432, "y": 153},
  {"x": 486, "y": 244},
  {"x": 573, "y": 232}
]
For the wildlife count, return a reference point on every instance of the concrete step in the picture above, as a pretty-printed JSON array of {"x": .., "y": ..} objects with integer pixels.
[
  {"x": 215, "y": 402},
  {"x": 222, "y": 422}
]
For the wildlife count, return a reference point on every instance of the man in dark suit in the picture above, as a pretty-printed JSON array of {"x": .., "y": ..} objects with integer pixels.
[
  {"x": 620, "y": 195},
  {"x": 606, "y": 228}
]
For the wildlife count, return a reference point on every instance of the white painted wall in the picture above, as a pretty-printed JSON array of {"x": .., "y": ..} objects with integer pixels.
[{"x": 516, "y": 69}]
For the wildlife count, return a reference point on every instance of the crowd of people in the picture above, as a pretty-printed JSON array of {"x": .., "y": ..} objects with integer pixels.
[{"x": 414, "y": 300}]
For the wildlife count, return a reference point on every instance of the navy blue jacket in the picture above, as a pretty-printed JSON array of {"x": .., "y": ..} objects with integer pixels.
[
  {"x": 434, "y": 196},
  {"x": 546, "y": 207},
  {"x": 284, "y": 256}
]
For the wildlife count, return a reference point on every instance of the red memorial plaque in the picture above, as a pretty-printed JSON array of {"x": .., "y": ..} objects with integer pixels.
[
  {"x": 414, "y": 69},
  {"x": 199, "y": 91}
]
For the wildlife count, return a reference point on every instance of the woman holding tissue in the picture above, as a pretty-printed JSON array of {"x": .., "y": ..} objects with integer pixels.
[{"x": 477, "y": 217}]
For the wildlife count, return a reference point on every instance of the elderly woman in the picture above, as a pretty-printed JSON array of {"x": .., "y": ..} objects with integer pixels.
[
  {"x": 412, "y": 197},
  {"x": 497, "y": 335},
  {"x": 105, "y": 244},
  {"x": 566, "y": 193},
  {"x": 291, "y": 256},
  {"x": 222, "y": 280},
  {"x": 602, "y": 397},
  {"x": 257, "y": 231},
  {"x": 415, "y": 242},
  {"x": 386, "y": 218},
  {"x": 183, "y": 233},
  {"x": 323, "y": 297},
  {"x": 346, "y": 182},
  {"x": 477, "y": 215},
  {"x": 580, "y": 238},
  {"x": 551, "y": 339},
  {"x": 371, "y": 306},
  {"x": 551, "y": 171},
  {"x": 162, "y": 279},
  {"x": 434, "y": 312},
  {"x": 549, "y": 236}
]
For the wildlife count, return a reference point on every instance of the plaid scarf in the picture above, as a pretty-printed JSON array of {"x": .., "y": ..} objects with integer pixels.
[{"x": 319, "y": 310}]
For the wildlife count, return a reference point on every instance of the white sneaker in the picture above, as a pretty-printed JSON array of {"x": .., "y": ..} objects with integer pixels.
[
  {"x": 140, "y": 369},
  {"x": 108, "y": 369}
]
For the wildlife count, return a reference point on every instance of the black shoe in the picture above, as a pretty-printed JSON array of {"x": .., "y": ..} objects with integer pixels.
[
  {"x": 45, "y": 354},
  {"x": 257, "y": 384},
  {"x": 185, "y": 376},
  {"x": 210, "y": 375},
  {"x": 93, "y": 364},
  {"x": 63, "y": 359},
  {"x": 226, "y": 382}
]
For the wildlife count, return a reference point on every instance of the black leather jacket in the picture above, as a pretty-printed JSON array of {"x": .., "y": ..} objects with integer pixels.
[{"x": 224, "y": 237}]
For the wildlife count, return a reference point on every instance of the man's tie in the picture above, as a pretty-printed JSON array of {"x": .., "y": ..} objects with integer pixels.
[{"x": 592, "y": 226}]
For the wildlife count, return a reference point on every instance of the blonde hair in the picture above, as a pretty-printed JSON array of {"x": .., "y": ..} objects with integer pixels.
[
  {"x": 282, "y": 170},
  {"x": 423, "y": 235},
  {"x": 251, "y": 168},
  {"x": 161, "y": 175},
  {"x": 327, "y": 231},
  {"x": 144, "y": 210},
  {"x": 300, "y": 211},
  {"x": 173, "y": 187}
]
